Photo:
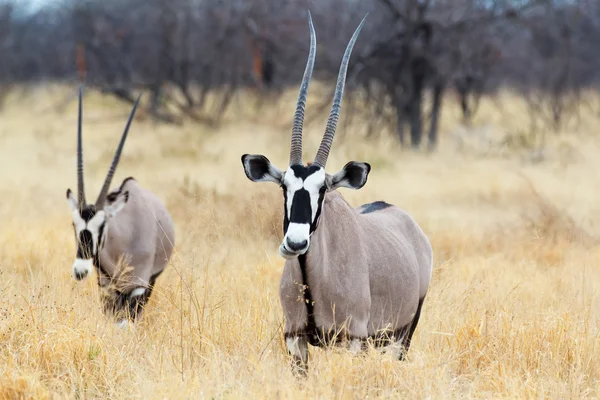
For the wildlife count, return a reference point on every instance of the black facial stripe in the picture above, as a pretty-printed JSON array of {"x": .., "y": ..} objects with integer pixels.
[
  {"x": 301, "y": 209},
  {"x": 313, "y": 225},
  {"x": 85, "y": 245},
  {"x": 88, "y": 212},
  {"x": 100, "y": 233},
  {"x": 302, "y": 172},
  {"x": 286, "y": 218}
]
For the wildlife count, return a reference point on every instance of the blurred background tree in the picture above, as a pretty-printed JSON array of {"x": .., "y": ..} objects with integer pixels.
[{"x": 409, "y": 57}]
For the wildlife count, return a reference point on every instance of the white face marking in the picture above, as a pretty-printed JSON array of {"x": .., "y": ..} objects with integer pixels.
[
  {"x": 300, "y": 232},
  {"x": 93, "y": 226},
  {"x": 122, "y": 324},
  {"x": 82, "y": 268},
  {"x": 292, "y": 183},
  {"x": 96, "y": 221},
  {"x": 78, "y": 221},
  {"x": 297, "y": 233},
  {"x": 313, "y": 184},
  {"x": 137, "y": 292}
]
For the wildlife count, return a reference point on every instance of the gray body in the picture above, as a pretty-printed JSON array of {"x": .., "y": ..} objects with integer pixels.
[
  {"x": 368, "y": 271},
  {"x": 143, "y": 233}
]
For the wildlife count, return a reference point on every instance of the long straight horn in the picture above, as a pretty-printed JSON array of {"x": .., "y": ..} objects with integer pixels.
[
  {"x": 296, "y": 147},
  {"x": 334, "y": 114},
  {"x": 80, "y": 185},
  {"x": 115, "y": 162}
]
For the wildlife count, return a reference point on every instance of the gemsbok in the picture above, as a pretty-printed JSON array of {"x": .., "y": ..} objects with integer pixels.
[
  {"x": 352, "y": 274},
  {"x": 128, "y": 227}
]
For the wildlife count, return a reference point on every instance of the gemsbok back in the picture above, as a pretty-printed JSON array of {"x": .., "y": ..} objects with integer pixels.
[
  {"x": 128, "y": 227},
  {"x": 351, "y": 274}
]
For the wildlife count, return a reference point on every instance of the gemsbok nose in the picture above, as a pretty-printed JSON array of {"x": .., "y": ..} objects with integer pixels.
[
  {"x": 80, "y": 275},
  {"x": 296, "y": 246},
  {"x": 82, "y": 268}
]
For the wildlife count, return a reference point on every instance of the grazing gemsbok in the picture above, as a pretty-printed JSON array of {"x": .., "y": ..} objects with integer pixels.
[
  {"x": 351, "y": 273},
  {"x": 128, "y": 225}
]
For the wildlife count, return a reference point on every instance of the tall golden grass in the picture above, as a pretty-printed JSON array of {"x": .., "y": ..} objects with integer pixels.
[{"x": 512, "y": 311}]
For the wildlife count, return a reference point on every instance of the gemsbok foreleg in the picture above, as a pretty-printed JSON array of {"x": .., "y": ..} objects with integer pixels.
[
  {"x": 126, "y": 305},
  {"x": 136, "y": 301}
]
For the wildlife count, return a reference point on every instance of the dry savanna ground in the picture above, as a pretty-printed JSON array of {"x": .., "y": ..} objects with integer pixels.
[{"x": 513, "y": 307}]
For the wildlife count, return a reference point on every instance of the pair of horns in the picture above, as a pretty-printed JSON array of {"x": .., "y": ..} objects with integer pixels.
[
  {"x": 334, "y": 114},
  {"x": 111, "y": 172}
]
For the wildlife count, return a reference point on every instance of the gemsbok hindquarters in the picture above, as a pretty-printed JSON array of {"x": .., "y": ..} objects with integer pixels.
[
  {"x": 127, "y": 227},
  {"x": 351, "y": 273}
]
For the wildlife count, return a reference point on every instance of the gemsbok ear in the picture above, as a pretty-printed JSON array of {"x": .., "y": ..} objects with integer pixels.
[
  {"x": 352, "y": 176},
  {"x": 72, "y": 200},
  {"x": 258, "y": 168},
  {"x": 115, "y": 203}
]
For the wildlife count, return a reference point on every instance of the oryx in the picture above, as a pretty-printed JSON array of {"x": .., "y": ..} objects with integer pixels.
[
  {"x": 128, "y": 226},
  {"x": 353, "y": 273}
]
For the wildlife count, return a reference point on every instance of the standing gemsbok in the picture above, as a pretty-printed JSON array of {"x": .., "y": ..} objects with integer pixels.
[
  {"x": 128, "y": 226},
  {"x": 351, "y": 273}
]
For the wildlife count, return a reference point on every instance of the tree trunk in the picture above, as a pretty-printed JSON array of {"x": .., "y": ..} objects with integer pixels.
[
  {"x": 438, "y": 94},
  {"x": 416, "y": 102},
  {"x": 464, "y": 105},
  {"x": 400, "y": 120},
  {"x": 415, "y": 116}
]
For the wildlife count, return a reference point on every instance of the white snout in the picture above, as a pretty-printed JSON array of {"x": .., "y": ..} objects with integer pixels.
[
  {"x": 82, "y": 268},
  {"x": 296, "y": 241},
  {"x": 124, "y": 324},
  {"x": 285, "y": 253},
  {"x": 137, "y": 292}
]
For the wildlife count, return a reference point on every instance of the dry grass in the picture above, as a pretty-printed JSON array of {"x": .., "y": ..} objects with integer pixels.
[{"x": 512, "y": 310}]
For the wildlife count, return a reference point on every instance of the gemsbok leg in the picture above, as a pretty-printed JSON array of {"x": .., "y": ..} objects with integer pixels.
[
  {"x": 405, "y": 342},
  {"x": 298, "y": 348}
]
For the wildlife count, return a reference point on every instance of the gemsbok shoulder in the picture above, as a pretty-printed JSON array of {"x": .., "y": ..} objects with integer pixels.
[
  {"x": 127, "y": 235},
  {"x": 352, "y": 274}
]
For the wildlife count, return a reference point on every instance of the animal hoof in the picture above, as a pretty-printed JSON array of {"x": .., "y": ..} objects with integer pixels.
[
  {"x": 402, "y": 355},
  {"x": 300, "y": 368}
]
